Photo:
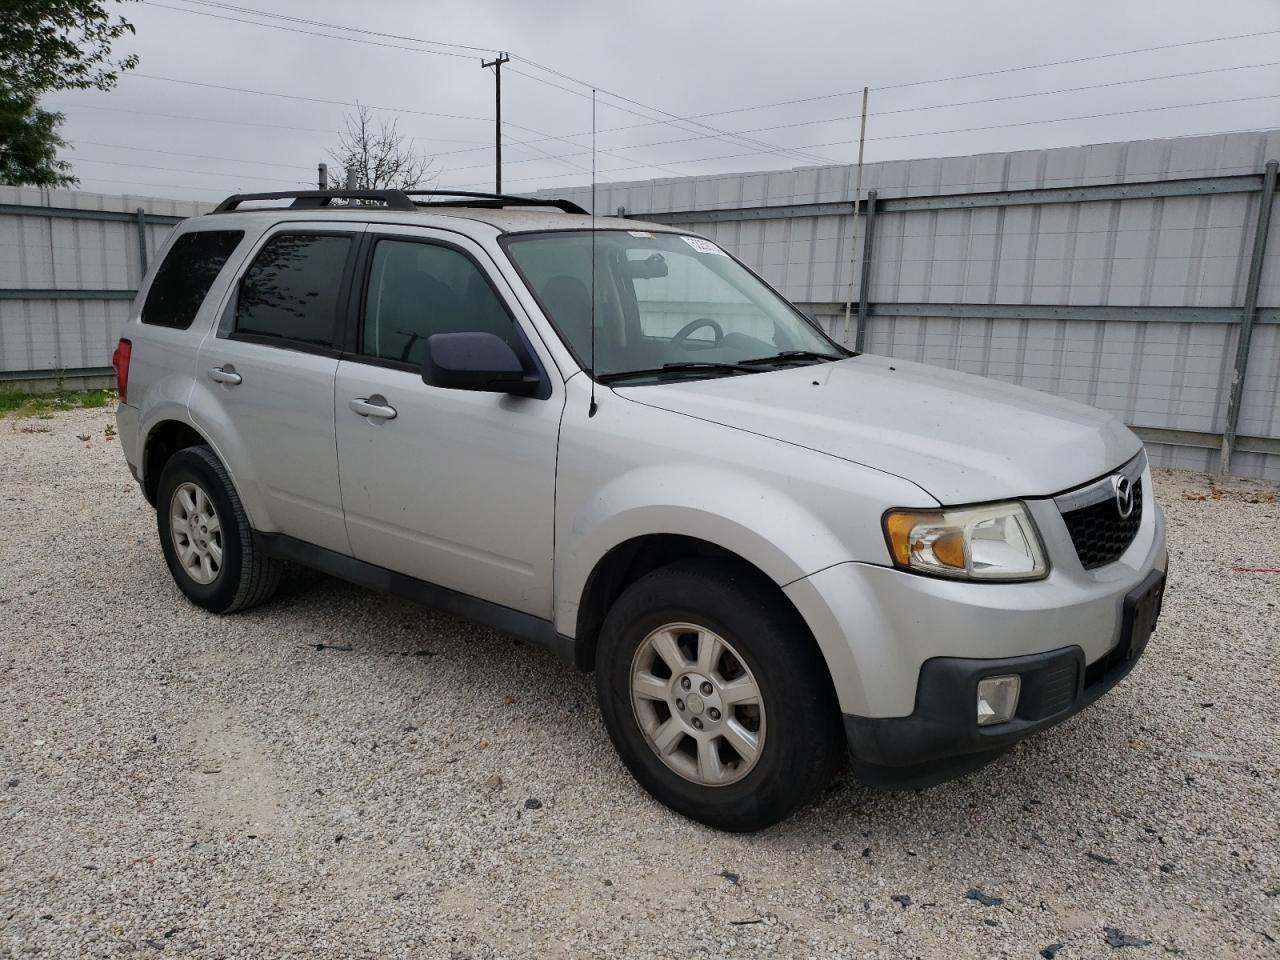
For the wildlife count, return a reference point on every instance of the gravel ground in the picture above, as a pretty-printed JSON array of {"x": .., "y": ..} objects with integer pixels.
[{"x": 337, "y": 774}]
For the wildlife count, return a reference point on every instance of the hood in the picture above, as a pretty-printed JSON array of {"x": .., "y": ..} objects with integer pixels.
[{"x": 962, "y": 438}]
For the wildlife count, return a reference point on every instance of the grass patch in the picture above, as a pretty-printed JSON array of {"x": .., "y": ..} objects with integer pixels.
[{"x": 14, "y": 403}]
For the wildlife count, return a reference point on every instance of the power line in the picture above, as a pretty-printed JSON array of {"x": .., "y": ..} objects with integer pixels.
[
  {"x": 166, "y": 186},
  {"x": 311, "y": 33},
  {"x": 319, "y": 23},
  {"x": 674, "y": 119},
  {"x": 998, "y": 72},
  {"x": 562, "y": 158},
  {"x": 203, "y": 173},
  {"x": 1086, "y": 116},
  {"x": 539, "y": 134},
  {"x": 935, "y": 106},
  {"x": 295, "y": 96},
  {"x": 994, "y": 126},
  {"x": 542, "y": 136},
  {"x": 544, "y": 155},
  {"x": 237, "y": 123},
  {"x": 531, "y": 63},
  {"x": 768, "y": 148},
  {"x": 842, "y": 119},
  {"x": 1087, "y": 59},
  {"x": 416, "y": 49},
  {"x": 197, "y": 156},
  {"x": 971, "y": 76},
  {"x": 180, "y": 116},
  {"x": 714, "y": 135},
  {"x": 216, "y": 173}
]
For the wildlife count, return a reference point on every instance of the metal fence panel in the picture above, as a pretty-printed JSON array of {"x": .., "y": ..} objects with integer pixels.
[
  {"x": 69, "y": 265},
  {"x": 1113, "y": 274}
]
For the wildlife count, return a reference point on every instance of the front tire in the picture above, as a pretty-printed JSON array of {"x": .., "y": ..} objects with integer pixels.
[
  {"x": 715, "y": 695},
  {"x": 206, "y": 538}
]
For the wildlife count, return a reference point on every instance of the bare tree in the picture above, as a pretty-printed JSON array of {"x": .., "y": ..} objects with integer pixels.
[{"x": 376, "y": 150}]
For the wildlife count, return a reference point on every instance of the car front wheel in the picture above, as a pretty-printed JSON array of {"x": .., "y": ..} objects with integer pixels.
[{"x": 715, "y": 695}]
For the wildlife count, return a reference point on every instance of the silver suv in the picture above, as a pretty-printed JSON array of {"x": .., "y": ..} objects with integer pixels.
[{"x": 613, "y": 439}]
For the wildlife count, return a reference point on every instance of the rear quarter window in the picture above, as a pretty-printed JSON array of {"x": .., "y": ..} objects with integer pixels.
[{"x": 184, "y": 278}]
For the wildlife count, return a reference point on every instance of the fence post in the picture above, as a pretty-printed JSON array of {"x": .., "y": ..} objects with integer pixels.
[
  {"x": 142, "y": 243},
  {"x": 1247, "y": 313},
  {"x": 864, "y": 278}
]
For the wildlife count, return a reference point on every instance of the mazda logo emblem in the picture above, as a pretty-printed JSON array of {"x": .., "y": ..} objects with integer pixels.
[{"x": 1124, "y": 496}]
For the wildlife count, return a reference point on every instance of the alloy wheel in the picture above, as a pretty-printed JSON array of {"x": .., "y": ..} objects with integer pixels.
[
  {"x": 196, "y": 532},
  {"x": 698, "y": 704}
]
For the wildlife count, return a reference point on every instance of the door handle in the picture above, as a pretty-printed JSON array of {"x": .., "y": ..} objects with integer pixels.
[
  {"x": 225, "y": 374},
  {"x": 374, "y": 406}
]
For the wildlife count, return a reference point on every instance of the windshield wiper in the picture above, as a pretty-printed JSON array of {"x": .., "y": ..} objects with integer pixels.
[
  {"x": 788, "y": 355},
  {"x": 688, "y": 365}
]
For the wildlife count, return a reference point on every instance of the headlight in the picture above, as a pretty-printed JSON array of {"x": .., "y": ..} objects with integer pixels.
[{"x": 997, "y": 541}]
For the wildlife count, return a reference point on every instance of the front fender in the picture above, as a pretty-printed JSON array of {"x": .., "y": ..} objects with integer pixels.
[
  {"x": 767, "y": 528},
  {"x": 633, "y": 470}
]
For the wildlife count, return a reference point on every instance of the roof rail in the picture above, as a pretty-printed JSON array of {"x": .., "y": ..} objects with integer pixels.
[
  {"x": 315, "y": 199},
  {"x": 396, "y": 200},
  {"x": 496, "y": 200}
]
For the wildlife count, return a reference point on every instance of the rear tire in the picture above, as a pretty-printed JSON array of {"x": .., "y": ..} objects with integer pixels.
[
  {"x": 744, "y": 728},
  {"x": 204, "y": 532}
]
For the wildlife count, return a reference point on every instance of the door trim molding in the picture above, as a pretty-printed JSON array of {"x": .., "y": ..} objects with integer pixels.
[{"x": 524, "y": 626}]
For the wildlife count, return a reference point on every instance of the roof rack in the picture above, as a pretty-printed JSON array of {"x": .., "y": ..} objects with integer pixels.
[
  {"x": 316, "y": 199},
  {"x": 396, "y": 200},
  {"x": 495, "y": 200}
]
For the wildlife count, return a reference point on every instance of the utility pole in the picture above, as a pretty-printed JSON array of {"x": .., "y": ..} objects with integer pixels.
[{"x": 497, "y": 63}]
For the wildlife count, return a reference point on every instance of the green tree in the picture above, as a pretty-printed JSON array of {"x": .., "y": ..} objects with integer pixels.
[{"x": 50, "y": 45}]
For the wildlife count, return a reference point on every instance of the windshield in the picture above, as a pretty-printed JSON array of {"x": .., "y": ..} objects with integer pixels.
[{"x": 666, "y": 305}]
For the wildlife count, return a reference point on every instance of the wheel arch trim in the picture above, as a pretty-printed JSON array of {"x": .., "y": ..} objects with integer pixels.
[{"x": 159, "y": 419}]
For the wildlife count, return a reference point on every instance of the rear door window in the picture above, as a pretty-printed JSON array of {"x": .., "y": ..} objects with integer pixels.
[
  {"x": 290, "y": 293},
  {"x": 184, "y": 278}
]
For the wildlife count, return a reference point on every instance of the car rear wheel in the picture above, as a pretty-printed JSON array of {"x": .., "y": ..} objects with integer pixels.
[
  {"x": 715, "y": 695},
  {"x": 206, "y": 538}
]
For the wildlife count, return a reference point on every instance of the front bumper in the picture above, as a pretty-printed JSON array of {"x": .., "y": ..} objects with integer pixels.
[
  {"x": 941, "y": 739},
  {"x": 877, "y": 626}
]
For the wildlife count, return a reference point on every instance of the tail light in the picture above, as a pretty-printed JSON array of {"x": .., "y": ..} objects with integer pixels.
[{"x": 120, "y": 360}]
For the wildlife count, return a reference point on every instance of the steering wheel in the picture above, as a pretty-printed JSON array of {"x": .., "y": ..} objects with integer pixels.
[{"x": 679, "y": 339}]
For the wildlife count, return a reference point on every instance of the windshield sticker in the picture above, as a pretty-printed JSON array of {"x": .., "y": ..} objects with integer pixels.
[
  {"x": 642, "y": 234},
  {"x": 703, "y": 246}
]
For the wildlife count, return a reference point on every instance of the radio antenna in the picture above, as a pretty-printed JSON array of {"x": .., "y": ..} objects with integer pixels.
[{"x": 591, "y": 410}]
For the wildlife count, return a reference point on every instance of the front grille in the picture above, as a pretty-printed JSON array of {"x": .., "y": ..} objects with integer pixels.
[{"x": 1098, "y": 531}]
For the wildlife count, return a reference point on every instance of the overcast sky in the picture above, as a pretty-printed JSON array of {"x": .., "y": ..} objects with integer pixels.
[{"x": 157, "y": 137}]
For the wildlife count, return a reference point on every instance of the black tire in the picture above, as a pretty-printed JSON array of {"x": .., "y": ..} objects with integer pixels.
[
  {"x": 247, "y": 575},
  {"x": 804, "y": 743}
]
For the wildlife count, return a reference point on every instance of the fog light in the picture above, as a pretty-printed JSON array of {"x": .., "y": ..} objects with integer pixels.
[{"x": 997, "y": 698}]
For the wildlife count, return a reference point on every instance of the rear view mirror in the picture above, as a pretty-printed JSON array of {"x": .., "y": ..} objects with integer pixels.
[
  {"x": 650, "y": 268},
  {"x": 475, "y": 361}
]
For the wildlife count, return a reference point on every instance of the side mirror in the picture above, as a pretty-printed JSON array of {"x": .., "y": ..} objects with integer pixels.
[{"x": 475, "y": 361}]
